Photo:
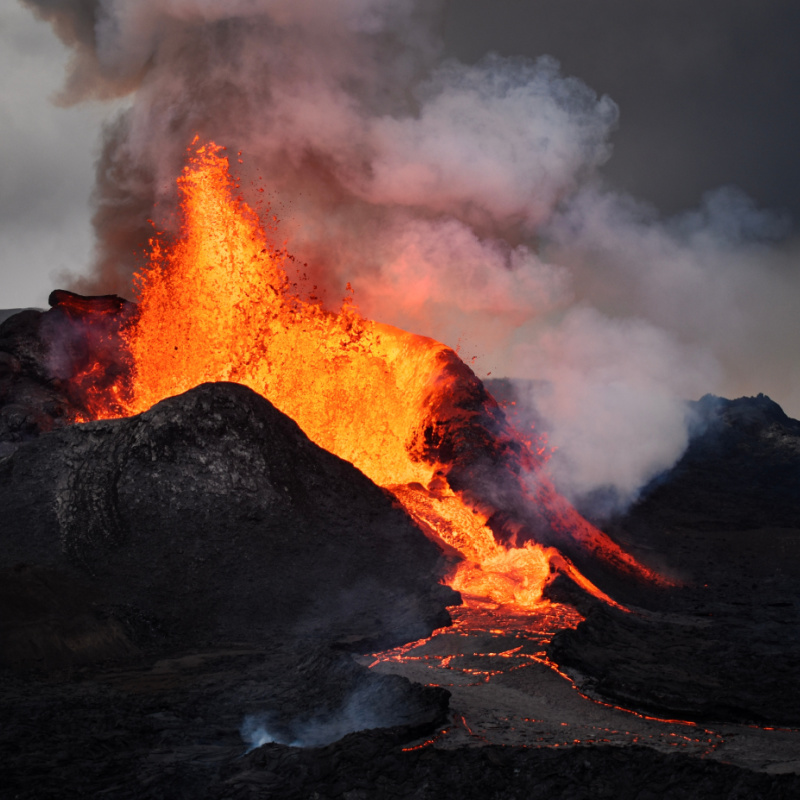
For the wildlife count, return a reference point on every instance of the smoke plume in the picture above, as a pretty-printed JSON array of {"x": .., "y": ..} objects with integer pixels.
[{"x": 462, "y": 201}]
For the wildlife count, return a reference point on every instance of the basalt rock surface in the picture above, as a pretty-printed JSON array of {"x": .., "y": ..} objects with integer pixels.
[
  {"x": 178, "y": 727},
  {"x": 725, "y": 521},
  {"x": 30, "y": 401},
  {"x": 363, "y": 766},
  {"x": 42, "y": 352},
  {"x": 214, "y": 514},
  {"x": 740, "y": 472},
  {"x": 50, "y": 622}
]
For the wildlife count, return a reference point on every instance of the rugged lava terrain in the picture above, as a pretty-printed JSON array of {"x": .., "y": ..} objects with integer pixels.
[
  {"x": 726, "y": 521},
  {"x": 180, "y": 584}
]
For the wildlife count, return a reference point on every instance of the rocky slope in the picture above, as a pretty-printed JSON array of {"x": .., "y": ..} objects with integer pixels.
[
  {"x": 205, "y": 555},
  {"x": 725, "y": 521},
  {"x": 214, "y": 516}
]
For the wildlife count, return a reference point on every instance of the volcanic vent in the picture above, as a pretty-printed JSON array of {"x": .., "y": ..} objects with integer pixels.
[{"x": 216, "y": 304}]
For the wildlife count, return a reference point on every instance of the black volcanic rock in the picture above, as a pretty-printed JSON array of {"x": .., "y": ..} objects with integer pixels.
[
  {"x": 725, "y": 522},
  {"x": 30, "y": 402},
  {"x": 212, "y": 518},
  {"x": 209, "y": 521},
  {"x": 718, "y": 665},
  {"x": 362, "y": 766},
  {"x": 167, "y": 729},
  {"x": 171, "y": 732},
  {"x": 740, "y": 471},
  {"x": 216, "y": 515},
  {"x": 49, "y": 623},
  {"x": 313, "y": 696},
  {"x": 42, "y": 353}
]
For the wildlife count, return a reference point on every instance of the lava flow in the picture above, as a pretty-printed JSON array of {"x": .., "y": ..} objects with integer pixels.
[{"x": 217, "y": 305}]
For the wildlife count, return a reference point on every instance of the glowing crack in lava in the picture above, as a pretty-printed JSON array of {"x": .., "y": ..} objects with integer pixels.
[{"x": 217, "y": 305}]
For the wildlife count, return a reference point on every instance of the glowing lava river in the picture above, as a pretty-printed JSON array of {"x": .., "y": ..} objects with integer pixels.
[{"x": 506, "y": 691}]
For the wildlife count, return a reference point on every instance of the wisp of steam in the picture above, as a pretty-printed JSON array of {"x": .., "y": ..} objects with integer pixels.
[{"x": 362, "y": 710}]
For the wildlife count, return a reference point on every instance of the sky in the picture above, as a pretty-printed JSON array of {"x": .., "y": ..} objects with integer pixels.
[
  {"x": 618, "y": 219},
  {"x": 707, "y": 90}
]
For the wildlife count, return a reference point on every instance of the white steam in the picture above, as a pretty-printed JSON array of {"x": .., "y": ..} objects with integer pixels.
[
  {"x": 663, "y": 311},
  {"x": 499, "y": 142},
  {"x": 361, "y": 711},
  {"x": 612, "y": 403},
  {"x": 461, "y": 201}
]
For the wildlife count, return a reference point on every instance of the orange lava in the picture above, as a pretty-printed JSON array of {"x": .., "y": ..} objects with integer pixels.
[{"x": 216, "y": 305}]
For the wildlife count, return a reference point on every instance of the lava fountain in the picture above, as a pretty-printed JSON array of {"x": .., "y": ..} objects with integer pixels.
[{"x": 216, "y": 304}]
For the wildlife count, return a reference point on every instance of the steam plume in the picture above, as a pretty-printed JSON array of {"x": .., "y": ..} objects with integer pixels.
[{"x": 461, "y": 201}]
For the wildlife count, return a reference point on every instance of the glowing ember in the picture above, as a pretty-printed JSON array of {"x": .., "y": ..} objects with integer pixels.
[{"x": 216, "y": 305}]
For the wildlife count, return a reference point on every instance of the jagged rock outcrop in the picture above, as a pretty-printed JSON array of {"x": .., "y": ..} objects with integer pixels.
[
  {"x": 43, "y": 352},
  {"x": 716, "y": 662},
  {"x": 741, "y": 470}
]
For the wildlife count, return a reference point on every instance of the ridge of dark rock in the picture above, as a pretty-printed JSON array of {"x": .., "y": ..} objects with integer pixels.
[{"x": 214, "y": 512}]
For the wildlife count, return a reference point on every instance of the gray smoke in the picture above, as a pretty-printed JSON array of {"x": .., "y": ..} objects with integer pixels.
[{"x": 462, "y": 201}]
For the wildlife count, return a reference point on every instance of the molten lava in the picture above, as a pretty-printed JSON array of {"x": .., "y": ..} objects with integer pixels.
[{"x": 217, "y": 305}]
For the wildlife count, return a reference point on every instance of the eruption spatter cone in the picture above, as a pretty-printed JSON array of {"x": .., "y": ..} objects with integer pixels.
[{"x": 215, "y": 304}]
